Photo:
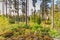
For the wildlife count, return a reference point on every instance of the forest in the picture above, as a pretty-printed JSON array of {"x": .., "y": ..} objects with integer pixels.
[{"x": 29, "y": 20}]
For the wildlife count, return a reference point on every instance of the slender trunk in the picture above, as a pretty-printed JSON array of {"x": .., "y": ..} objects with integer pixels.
[
  {"x": 43, "y": 9},
  {"x": 23, "y": 13},
  {"x": 44, "y": 15},
  {"x": 16, "y": 6},
  {"x": 18, "y": 11},
  {"x": 34, "y": 13},
  {"x": 3, "y": 8},
  {"x": 9, "y": 7},
  {"x": 52, "y": 13},
  {"x": 6, "y": 8},
  {"x": 26, "y": 12},
  {"x": 15, "y": 9}
]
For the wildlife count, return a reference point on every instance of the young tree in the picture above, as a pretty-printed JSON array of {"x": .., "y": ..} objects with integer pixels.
[
  {"x": 44, "y": 7},
  {"x": 52, "y": 13},
  {"x": 10, "y": 3},
  {"x": 23, "y": 10},
  {"x": 34, "y": 2},
  {"x": 6, "y": 8},
  {"x": 26, "y": 12},
  {"x": 3, "y": 7},
  {"x": 16, "y": 7}
]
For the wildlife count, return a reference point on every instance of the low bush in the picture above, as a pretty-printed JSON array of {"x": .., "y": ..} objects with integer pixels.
[{"x": 53, "y": 33}]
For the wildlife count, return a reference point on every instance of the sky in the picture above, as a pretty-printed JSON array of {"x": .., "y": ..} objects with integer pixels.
[{"x": 30, "y": 6}]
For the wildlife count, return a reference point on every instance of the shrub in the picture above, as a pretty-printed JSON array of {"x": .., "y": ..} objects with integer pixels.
[
  {"x": 37, "y": 18},
  {"x": 34, "y": 26},
  {"x": 12, "y": 19},
  {"x": 57, "y": 20},
  {"x": 14, "y": 27},
  {"x": 4, "y": 24},
  {"x": 53, "y": 33},
  {"x": 23, "y": 25},
  {"x": 3, "y": 21}
]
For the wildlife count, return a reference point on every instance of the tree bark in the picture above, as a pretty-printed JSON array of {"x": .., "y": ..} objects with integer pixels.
[
  {"x": 3, "y": 8},
  {"x": 26, "y": 12},
  {"x": 6, "y": 8},
  {"x": 52, "y": 13}
]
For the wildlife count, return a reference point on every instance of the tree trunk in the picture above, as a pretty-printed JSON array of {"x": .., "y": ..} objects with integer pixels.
[
  {"x": 52, "y": 13},
  {"x": 9, "y": 7},
  {"x": 6, "y": 8},
  {"x": 34, "y": 13},
  {"x": 3, "y": 8},
  {"x": 44, "y": 11},
  {"x": 23, "y": 10},
  {"x": 26, "y": 12}
]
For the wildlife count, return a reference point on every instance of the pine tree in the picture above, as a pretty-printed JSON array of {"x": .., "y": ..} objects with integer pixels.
[
  {"x": 34, "y": 2},
  {"x": 44, "y": 7}
]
